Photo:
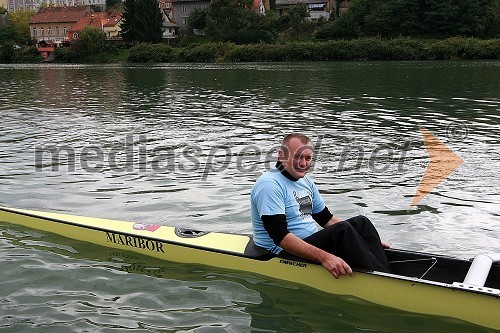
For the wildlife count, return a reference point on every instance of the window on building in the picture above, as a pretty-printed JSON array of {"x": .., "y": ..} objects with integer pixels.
[
  {"x": 184, "y": 8},
  {"x": 314, "y": 7},
  {"x": 34, "y": 31},
  {"x": 49, "y": 31},
  {"x": 57, "y": 31},
  {"x": 41, "y": 31},
  {"x": 65, "y": 31},
  {"x": 184, "y": 20}
]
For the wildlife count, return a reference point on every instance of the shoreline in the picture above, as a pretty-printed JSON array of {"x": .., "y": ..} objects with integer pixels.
[{"x": 361, "y": 49}]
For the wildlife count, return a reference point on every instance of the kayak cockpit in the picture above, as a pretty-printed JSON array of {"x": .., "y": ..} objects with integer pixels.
[{"x": 447, "y": 270}]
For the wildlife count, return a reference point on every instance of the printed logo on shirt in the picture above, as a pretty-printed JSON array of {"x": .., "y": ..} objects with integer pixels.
[{"x": 304, "y": 201}]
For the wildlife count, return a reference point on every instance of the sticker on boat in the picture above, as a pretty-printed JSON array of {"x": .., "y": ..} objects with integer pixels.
[{"x": 145, "y": 226}]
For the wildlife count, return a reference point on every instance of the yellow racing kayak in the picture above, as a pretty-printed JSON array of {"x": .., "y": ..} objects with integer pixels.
[{"x": 422, "y": 283}]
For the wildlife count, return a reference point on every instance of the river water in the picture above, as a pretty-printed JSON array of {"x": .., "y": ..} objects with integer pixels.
[{"x": 182, "y": 144}]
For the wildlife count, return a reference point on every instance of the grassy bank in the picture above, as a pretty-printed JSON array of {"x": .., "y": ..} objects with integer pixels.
[{"x": 357, "y": 49}]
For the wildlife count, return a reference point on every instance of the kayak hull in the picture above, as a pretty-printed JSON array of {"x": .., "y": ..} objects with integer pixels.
[{"x": 231, "y": 251}]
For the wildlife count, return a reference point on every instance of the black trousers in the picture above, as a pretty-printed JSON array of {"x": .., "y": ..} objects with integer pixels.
[{"x": 356, "y": 241}]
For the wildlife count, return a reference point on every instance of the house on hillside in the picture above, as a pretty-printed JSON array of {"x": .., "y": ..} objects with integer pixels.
[
  {"x": 96, "y": 20},
  {"x": 261, "y": 6},
  {"x": 100, "y": 3},
  {"x": 54, "y": 23},
  {"x": 46, "y": 49},
  {"x": 112, "y": 28},
  {"x": 169, "y": 27},
  {"x": 317, "y": 8},
  {"x": 182, "y": 8}
]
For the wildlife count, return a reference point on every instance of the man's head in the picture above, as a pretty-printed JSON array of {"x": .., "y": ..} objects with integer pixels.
[{"x": 296, "y": 154}]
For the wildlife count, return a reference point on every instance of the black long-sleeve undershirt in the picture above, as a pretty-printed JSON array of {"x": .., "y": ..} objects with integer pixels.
[{"x": 277, "y": 227}]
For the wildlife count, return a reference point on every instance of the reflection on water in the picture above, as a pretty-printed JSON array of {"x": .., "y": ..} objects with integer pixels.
[{"x": 182, "y": 144}]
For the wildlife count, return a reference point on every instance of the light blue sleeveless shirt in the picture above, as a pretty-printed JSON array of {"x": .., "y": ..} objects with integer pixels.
[{"x": 273, "y": 194}]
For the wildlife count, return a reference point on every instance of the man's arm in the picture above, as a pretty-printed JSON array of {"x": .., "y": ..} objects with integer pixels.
[
  {"x": 332, "y": 221},
  {"x": 296, "y": 246}
]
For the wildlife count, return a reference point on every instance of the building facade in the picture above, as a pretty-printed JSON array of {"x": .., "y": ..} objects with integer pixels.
[
  {"x": 317, "y": 8},
  {"x": 181, "y": 9},
  {"x": 16, "y": 5},
  {"x": 54, "y": 23}
]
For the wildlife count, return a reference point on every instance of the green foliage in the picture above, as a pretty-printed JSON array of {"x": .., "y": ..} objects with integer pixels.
[
  {"x": 141, "y": 21},
  {"x": 297, "y": 15},
  {"x": 464, "y": 48},
  {"x": 148, "y": 21},
  {"x": 492, "y": 20},
  {"x": 426, "y": 18},
  {"x": 151, "y": 53},
  {"x": 337, "y": 7},
  {"x": 19, "y": 22},
  {"x": 369, "y": 49},
  {"x": 108, "y": 55},
  {"x": 114, "y": 5},
  {"x": 26, "y": 54},
  {"x": 92, "y": 41},
  {"x": 7, "y": 33},
  {"x": 198, "y": 18},
  {"x": 96, "y": 8},
  {"x": 129, "y": 24},
  {"x": 344, "y": 27},
  {"x": 234, "y": 21},
  {"x": 11, "y": 53},
  {"x": 67, "y": 55},
  {"x": 210, "y": 52},
  {"x": 3, "y": 10},
  {"x": 6, "y": 52}
]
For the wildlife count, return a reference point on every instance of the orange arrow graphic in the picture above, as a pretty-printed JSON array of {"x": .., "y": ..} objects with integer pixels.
[{"x": 442, "y": 163}]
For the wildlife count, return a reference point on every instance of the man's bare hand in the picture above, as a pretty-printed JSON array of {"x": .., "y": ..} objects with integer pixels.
[
  {"x": 336, "y": 266},
  {"x": 386, "y": 245}
]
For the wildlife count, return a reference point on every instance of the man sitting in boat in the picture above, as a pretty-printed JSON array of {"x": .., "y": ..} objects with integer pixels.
[{"x": 285, "y": 205}]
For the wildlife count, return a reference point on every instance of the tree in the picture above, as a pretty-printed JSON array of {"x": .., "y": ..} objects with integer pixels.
[
  {"x": 149, "y": 21},
  {"x": 92, "y": 40},
  {"x": 114, "y": 5},
  {"x": 198, "y": 18},
  {"x": 337, "y": 7},
  {"x": 234, "y": 21},
  {"x": 142, "y": 21},
  {"x": 19, "y": 21},
  {"x": 297, "y": 15},
  {"x": 128, "y": 21}
]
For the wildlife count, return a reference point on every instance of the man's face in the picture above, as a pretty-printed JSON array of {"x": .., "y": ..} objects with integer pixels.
[{"x": 297, "y": 159}]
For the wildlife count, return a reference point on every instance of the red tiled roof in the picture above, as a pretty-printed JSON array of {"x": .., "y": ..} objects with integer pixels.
[
  {"x": 113, "y": 19},
  {"x": 60, "y": 14},
  {"x": 96, "y": 20}
]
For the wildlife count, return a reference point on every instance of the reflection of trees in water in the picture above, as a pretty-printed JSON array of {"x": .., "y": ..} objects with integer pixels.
[{"x": 78, "y": 87}]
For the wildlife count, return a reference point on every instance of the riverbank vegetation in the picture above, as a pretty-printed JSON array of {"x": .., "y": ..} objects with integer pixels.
[
  {"x": 368, "y": 30},
  {"x": 370, "y": 48}
]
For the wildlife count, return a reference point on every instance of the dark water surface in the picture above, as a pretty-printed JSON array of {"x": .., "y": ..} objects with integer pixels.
[{"x": 182, "y": 144}]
